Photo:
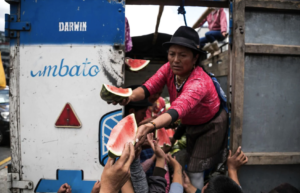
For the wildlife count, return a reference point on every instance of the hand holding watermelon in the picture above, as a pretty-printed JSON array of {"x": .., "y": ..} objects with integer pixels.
[
  {"x": 141, "y": 135},
  {"x": 114, "y": 95},
  {"x": 115, "y": 175}
]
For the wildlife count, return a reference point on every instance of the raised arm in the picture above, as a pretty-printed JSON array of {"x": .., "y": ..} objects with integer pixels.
[{"x": 234, "y": 162}]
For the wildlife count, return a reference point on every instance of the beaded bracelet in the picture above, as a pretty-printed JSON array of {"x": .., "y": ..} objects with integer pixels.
[{"x": 153, "y": 124}]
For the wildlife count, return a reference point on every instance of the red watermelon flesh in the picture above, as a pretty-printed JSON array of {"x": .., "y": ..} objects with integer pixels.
[
  {"x": 123, "y": 132},
  {"x": 163, "y": 137},
  {"x": 118, "y": 90},
  {"x": 136, "y": 64},
  {"x": 170, "y": 132}
]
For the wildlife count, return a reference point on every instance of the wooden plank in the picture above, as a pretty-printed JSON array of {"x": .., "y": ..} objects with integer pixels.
[
  {"x": 220, "y": 64},
  {"x": 205, "y": 3},
  {"x": 273, "y": 158},
  {"x": 14, "y": 109},
  {"x": 160, "y": 11},
  {"x": 202, "y": 17},
  {"x": 272, "y": 49},
  {"x": 238, "y": 63},
  {"x": 273, "y": 4}
]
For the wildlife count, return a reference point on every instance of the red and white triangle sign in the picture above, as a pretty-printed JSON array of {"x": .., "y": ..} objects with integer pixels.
[{"x": 68, "y": 118}]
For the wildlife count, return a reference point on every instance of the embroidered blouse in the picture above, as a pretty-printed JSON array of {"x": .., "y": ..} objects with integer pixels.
[{"x": 196, "y": 103}]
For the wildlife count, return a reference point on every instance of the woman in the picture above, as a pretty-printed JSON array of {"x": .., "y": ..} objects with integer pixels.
[
  {"x": 217, "y": 24},
  {"x": 194, "y": 100}
]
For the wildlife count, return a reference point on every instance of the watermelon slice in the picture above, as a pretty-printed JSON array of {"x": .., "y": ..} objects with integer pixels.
[
  {"x": 170, "y": 132},
  {"x": 136, "y": 64},
  {"x": 163, "y": 137},
  {"x": 113, "y": 94},
  {"x": 123, "y": 132}
]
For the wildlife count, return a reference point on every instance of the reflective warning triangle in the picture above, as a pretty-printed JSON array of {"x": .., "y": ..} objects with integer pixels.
[{"x": 68, "y": 118}]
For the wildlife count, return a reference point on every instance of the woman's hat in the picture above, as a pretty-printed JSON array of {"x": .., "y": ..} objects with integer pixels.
[{"x": 185, "y": 36}]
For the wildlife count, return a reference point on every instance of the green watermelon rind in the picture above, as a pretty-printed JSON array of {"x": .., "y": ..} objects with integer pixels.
[
  {"x": 114, "y": 154},
  {"x": 166, "y": 144},
  {"x": 111, "y": 96},
  {"x": 139, "y": 68}
]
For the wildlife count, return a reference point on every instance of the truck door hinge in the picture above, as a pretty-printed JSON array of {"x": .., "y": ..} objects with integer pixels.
[
  {"x": 12, "y": 26},
  {"x": 15, "y": 184}
]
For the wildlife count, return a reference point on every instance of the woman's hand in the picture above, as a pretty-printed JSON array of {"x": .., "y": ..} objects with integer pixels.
[
  {"x": 123, "y": 102},
  {"x": 141, "y": 135},
  {"x": 224, "y": 34}
]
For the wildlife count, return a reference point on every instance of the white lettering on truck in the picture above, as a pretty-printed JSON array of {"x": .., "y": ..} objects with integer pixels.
[{"x": 72, "y": 26}]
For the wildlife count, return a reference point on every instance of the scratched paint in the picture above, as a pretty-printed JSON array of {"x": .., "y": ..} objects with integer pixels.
[{"x": 44, "y": 147}]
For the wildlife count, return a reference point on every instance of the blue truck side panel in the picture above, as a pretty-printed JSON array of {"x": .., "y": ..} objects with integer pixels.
[{"x": 73, "y": 22}]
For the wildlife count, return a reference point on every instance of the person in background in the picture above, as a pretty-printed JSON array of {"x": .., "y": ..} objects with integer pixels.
[
  {"x": 217, "y": 24},
  {"x": 128, "y": 41},
  {"x": 221, "y": 184}
]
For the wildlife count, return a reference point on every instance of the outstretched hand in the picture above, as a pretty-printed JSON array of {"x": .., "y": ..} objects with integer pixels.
[
  {"x": 177, "y": 176},
  {"x": 187, "y": 184},
  {"x": 238, "y": 159},
  {"x": 96, "y": 188},
  {"x": 65, "y": 188},
  {"x": 159, "y": 152},
  {"x": 115, "y": 175}
]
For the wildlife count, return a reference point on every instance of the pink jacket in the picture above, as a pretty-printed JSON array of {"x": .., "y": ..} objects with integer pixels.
[
  {"x": 216, "y": 21},
  {"x": 196, "y": 103}
]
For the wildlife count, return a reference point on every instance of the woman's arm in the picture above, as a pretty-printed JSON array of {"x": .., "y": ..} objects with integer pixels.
[
  {"x": 163, "y": 120},
  {"x": 223, "y": 21},
  {"x": 137, "y": 94}
]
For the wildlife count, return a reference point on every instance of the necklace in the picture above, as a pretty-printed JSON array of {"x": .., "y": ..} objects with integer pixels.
[{"x": 177, "y": 82}]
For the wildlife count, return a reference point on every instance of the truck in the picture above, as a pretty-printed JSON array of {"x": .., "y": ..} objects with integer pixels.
[{"x": 61, "y": 52}]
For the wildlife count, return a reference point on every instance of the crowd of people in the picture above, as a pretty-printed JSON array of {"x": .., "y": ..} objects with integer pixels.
[{"x": 127, "y": 175}]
